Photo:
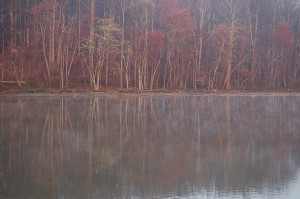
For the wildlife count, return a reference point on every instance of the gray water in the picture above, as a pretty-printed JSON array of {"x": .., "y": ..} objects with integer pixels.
[{"x": 150, "y": 146}]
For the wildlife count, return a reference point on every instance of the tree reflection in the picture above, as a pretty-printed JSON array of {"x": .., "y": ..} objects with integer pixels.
[{"x": 120, "y": 146}]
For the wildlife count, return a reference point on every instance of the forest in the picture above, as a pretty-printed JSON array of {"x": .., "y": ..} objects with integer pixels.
[{"x": 150, "y": 44}]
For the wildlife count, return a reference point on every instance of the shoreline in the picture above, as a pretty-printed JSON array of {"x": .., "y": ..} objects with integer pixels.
[{"x": 113, "y": 91}]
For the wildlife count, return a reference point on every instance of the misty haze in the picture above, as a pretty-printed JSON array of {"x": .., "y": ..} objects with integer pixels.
[
  {"x": 150, "y": 146},
  {"x": 150, "y": 99},
  {"x": 150, "y": 44}
]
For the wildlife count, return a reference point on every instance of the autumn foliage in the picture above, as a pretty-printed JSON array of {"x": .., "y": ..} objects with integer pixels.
[{"x": 150, "y": 44}]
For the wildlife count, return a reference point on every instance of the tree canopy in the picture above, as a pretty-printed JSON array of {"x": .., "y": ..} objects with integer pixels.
[{"x": 151, "y": 44}]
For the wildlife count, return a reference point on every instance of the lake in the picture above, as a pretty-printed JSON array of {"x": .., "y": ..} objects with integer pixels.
[{"x": 150, "y": 146}]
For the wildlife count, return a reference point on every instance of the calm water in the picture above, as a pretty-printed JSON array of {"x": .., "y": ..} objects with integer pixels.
[{"x": 150, "y": 146}]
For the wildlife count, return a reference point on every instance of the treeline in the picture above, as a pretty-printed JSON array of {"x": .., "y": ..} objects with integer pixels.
[{"x": 151, "y": 44}]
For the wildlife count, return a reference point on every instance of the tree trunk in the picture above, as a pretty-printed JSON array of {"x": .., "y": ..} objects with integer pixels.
[
  {"x": 229, "y": 60},
  {"x": 145, "y": 58},
  {"x": 12, "y": 39},
  {"x": 51, "y": 52},
  {"x": 122, "y": 44},
  {"x": 92, "y": 45}
]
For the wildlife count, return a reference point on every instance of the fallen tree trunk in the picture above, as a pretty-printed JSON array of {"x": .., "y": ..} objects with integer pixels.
[{"x": 13, "y": 82}]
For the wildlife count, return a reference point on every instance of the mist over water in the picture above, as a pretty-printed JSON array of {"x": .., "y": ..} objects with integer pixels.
[{"x": 150, "y": 146}]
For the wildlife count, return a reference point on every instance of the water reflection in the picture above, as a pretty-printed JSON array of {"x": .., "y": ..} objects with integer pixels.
[{"x": 143, "y": 146}]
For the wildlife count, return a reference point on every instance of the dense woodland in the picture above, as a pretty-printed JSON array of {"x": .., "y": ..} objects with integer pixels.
[{"x": 150, "y": 44}]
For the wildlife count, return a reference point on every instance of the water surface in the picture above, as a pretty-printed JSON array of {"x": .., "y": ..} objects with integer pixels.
[{"x": 150, "y": 146}]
